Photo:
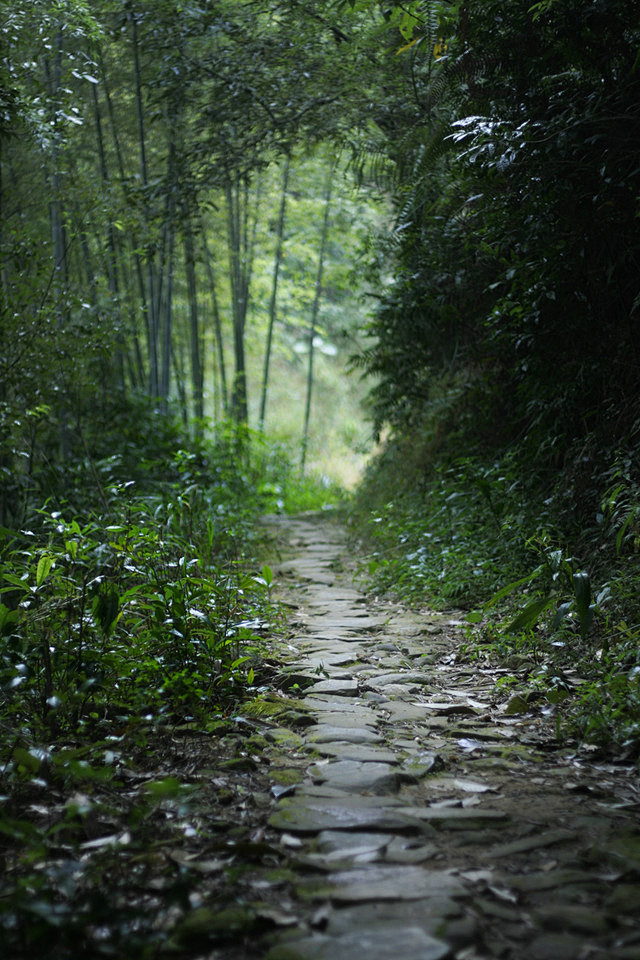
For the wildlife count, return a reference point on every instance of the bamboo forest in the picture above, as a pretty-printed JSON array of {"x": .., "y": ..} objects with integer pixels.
[{"x": 319, "y": 479}]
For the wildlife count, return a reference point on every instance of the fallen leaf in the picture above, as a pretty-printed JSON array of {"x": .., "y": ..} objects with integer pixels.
[
  {"x": 475, "y": 876},
  {"x": 503, "y": 894},
  {"x": 190, "y": 860},
  {"x": 471, "y": 801},
  {"x": 114, "y": 840},
  {"x": 472, "y": 786},
  {"x": 277, "y": 917}
]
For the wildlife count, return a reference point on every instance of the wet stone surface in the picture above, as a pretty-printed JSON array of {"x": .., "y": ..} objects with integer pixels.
[{"x": 426, "y": 817}]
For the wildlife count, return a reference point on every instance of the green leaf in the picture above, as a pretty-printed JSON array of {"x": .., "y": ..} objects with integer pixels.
[
  {"x": 582, "y": 587},
  {"x": 476, "y": 616},
  {"x": 7, "y": 617},
  {"x": 169, "y": 787},
  {"x": 517, "y": 705},
  {"x": 561, "y": 613},
  {"x": 27, "y": 759},
  {"x": 557, "y": 695},
  {"x": 43, "y": 569},
  {"x": 623, "y": 529},
  {"x": 505, "y": 591},
  {"x": 83, "y": 770},
  {"x": 22, "y": 831},
  {"x": 16, "y": 582},
  {"x": 528, "y": 617},
  {"x": 407, "y": 46},
  {"x": 267, "y": 575},
  {"x": 107, "y": 607},
  {"x": 71, "y": 546}
]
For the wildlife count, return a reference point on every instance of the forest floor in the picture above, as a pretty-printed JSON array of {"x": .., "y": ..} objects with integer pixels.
[{"x": 407, "y": 810}]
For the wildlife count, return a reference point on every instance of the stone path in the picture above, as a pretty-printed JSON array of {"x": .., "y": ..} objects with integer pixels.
[{"x": 422, "y": 819}]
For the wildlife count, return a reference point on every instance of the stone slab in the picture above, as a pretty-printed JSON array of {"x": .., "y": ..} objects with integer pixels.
[
  {"x": 337, "y": 595},
  {"x": 285, "y": 737},
  {"x": 362, "y": 916},
  {"x": 462, "y": 818},
  {"x": 400, "y": 710},
  {"x": 353, "y": 721},
  {"x": 396, "y": 691},
  {"x": 324, "y": 791},
  {"x": 408, "y": 851},
  {"x": 327, "y": 577},
  {"x": 342, "y": 687},
  {"x": 345, "y": 622},
  {"x": 336, "y": 841},
  {"x": 525, "y": 844},
  {"x": 378, "y": 882},
  {"x": 327, "y": 658},
  {"x": 328, "y": 733},
  {"x": 403, "y": 677},
  {"x": 356, "y": 751},
  {"x": 350, "y": 849},
  {"x": 376, "y": 943},
  {"x": 312, "y": 815},
  {"x": 557, "y": 946},
  {"x": 327, "y": 702},
  {"x": 419, "y": 765},
  {"x": 352, "y": 776}
]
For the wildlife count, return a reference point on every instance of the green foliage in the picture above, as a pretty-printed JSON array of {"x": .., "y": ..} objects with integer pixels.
[
  {"x": 498, "y": 250},
  {"x": 121, "y": 629},
  {"x": 579, "y": 654},
  {"x": 145, "y": 615},
  {"x": 452, "y": 530},
  {"x": 287, "y": 490},
  {"x": 467, "y": 533},
  {"x": 504, "y": 353},
  {"x": 562, "y": 580},
  {"x": 122, "y": 130}
]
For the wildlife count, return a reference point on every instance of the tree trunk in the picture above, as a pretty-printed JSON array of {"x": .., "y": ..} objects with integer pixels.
[
  {"x": 112, "y": 261},
  {"x": 152, "y": 304},
  {"x": 314, "y": 316},
  {"x": 167, "y": 324},
  {"x": 137, "y": 366},
  {"x": 178, "y": 376},
  {"x": 197, "y": 377},
  {"x": 274, "y": 294},
  {"x": 241, "y": 242},
  {"x": 217, "y": 325},
  {"x": 59, "y": 285}
]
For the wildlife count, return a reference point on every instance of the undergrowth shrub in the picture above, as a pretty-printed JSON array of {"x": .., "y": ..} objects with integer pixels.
[
  {"x": 124, "y": 617},
  {"x": 509, "y": 541},
  {"x": 131, "y": 614},
  {"x": 446, "y": 538}
]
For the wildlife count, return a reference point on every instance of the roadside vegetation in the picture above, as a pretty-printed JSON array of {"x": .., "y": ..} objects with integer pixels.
[
  {"x": 133, "y": 620},
  {"x": 562, "y": 613},
  {"x": 505, "y": 349}
]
